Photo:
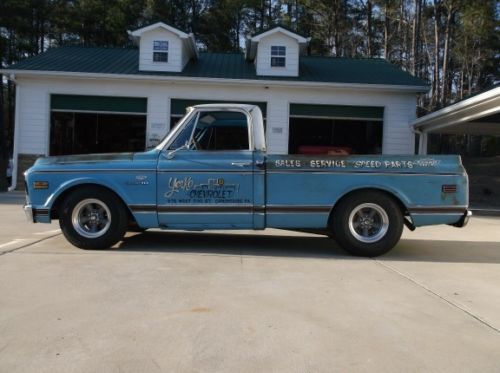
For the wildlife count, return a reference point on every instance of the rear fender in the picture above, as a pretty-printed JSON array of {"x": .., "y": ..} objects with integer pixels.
[{"x": 403, "y": 199}]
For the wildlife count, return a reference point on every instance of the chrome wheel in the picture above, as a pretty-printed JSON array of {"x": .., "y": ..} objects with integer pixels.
[
  {"x": 368, "y": 222},
  {"x": 91, "y": 218}
]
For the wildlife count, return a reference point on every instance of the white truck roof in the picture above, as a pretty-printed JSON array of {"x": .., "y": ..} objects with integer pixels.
[{"x": 246, "y": 107}]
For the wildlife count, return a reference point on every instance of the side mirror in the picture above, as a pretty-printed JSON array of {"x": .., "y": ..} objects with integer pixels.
[{"x": 171, "y": 154}]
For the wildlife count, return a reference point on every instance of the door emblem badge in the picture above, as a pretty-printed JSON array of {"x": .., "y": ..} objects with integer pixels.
[{"x": 139, "y": 180}]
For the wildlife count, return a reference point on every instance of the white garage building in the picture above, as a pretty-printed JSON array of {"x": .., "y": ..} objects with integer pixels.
[{"x": 72, "y": 100}]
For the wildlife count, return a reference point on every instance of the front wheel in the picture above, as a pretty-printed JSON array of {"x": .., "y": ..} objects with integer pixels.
[
  {"x": 92, "y": 218},
  {"x": 367, "y": 224}
]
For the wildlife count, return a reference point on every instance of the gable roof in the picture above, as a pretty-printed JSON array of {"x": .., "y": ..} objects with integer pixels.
[
  {"x": 229, "y": 66},
  {"x": 154, "y": 26},
  {"x": 279, "y": 29}
]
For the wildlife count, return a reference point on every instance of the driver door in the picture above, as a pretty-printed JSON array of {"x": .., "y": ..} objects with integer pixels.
[{"x": 205, "y": 177}]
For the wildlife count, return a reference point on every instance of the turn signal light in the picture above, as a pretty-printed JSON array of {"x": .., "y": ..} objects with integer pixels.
[
  {"x": 40, "y": 185},
  {"x": 449, "y": 188}
]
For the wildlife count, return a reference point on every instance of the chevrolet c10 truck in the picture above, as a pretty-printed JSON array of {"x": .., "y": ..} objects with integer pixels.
[{"x": 212, "y": 172}]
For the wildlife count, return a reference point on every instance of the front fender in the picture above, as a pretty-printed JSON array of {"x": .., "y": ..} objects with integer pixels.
[{"x": 87, "y": 180}]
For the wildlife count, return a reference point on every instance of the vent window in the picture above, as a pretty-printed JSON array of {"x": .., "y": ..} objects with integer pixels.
[
  {"x": 160, "y": 51},
  {"x": 278, "y": 56}
]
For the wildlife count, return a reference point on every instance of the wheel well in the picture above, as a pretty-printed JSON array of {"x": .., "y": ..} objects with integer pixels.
[
  {"x": 398, "y": 201},
  {"x": 54, "y": 212}
]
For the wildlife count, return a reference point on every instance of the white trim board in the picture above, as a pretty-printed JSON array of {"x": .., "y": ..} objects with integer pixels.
[{"x": 221, "y": 81}]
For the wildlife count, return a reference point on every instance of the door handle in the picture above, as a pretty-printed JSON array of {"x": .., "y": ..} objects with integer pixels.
[{"x": 241, "y": 164}]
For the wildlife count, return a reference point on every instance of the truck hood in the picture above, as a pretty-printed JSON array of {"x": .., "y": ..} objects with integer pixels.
[{"x": 84, "y": 158}]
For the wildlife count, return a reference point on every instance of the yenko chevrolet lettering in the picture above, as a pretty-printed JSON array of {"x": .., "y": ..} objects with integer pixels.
[
  {"x": 212, "y": 172},
  {"x": 214, "y": 191}
]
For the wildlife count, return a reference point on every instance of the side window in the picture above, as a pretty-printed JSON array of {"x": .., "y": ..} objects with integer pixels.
[
  {"x": 278, "y": 56},
  {"x": 221, "y": 130},
  {"x": 160, "y": 51}
]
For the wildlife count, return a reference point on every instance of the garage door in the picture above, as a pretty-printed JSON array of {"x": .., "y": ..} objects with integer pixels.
[
  {"x": 96, "y": 124},
  {"x": 335, "y": 129}
]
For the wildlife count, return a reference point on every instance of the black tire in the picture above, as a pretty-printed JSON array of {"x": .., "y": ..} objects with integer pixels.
[
  {"x": 367, "y": 224},
  {"x": 93, "y": 218}
]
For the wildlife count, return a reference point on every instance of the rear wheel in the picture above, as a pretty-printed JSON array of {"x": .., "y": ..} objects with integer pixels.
[
  {"x": 367, "y": 224},
  {"x": 93, "y": 218}
]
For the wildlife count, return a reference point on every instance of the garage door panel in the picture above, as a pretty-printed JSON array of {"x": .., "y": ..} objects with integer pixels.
[
  {"x": 336, "y": 111},
  {"x": 98, "y": 103}
]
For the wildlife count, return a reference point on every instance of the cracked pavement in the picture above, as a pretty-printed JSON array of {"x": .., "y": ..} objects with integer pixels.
[{"x": 248, "y": 301}]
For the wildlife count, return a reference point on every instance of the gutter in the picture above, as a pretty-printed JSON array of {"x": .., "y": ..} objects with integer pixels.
[
  {"x": 440, "y": 117},
  {"x": 221, "y": 81}
]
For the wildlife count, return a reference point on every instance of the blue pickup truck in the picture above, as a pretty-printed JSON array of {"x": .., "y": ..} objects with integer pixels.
[{"x": 212, "y": 172}]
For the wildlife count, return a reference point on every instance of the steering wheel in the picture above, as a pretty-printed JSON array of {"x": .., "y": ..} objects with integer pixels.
[{"x": 195, "y": 145}]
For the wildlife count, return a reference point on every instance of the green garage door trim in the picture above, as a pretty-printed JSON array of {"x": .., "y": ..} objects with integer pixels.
[
  {"x": 102, "y": 104},
  {"x": 337, "y": 111},
  {"x": 178, "y": 106}
]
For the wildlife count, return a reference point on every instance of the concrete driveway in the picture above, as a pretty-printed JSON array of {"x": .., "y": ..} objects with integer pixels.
[{"x": 247, "y": 302}]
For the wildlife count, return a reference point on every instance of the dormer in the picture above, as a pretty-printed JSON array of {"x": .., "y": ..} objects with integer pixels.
[
  {"x": 164, "y": 48},
  {"x": 276, "y": 52}
]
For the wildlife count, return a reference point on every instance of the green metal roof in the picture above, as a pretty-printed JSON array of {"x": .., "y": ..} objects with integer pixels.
[{"x": 219, "y": 65}]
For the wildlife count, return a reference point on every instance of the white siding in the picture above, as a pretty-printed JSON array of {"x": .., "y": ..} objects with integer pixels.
[
  {"x": 263, "y": 59},
  {"x": 277, "y": 124},
  {"x": 34, "y": 107},
  {"x": 158, "y": 118},
  {"x": 398, "y": 138},
  {"x": 175, "y": 50}
]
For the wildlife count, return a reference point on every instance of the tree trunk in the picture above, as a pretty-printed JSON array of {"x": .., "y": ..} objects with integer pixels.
[
  {"x": 386, "y": 32},
  {"x": 336, "y": 8},
  {"x": 262, "y": 14},
  {"x": 415, "y": 40},
  {"x": 369, "y": 28},
  {"x": 436, "y": 80},
  {"x": 447, "y": 36},
  {"x": 461, "y": 83},
  {"x": 401, "y": 31}
]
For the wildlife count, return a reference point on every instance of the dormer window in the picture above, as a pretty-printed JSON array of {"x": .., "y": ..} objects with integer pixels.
[
  {"x": 278, "y": 56},
  {"x": 160, "y": 51}
]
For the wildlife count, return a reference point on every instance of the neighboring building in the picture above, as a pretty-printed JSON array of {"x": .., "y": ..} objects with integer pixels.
[
  {"x": 476, "y": 115},
  {"x": 479, "y": 116},
  {"x": 80, "y": 100}
]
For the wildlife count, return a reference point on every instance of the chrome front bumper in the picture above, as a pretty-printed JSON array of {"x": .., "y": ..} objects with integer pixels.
[
  {"x": 36, "y": 215},
  {"x": 28, "y": 211}
]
